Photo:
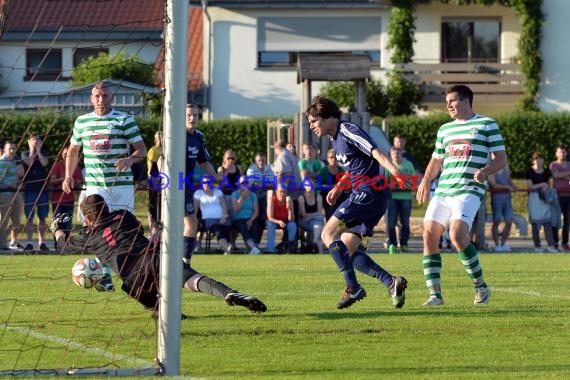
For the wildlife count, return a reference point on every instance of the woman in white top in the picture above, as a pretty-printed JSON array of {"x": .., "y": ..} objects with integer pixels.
[{"x": 214, "y": 210}]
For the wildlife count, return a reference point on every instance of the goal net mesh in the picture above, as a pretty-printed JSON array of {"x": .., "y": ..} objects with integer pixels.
[{"x": 49, "y": 325}]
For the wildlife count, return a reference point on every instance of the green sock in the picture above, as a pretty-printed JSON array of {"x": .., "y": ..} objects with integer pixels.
[
  {"x": 470, "y": 261},
  {"x": 432, "y": 270}
]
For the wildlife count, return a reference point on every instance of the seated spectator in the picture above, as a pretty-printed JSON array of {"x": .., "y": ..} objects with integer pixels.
[
  {"x": 230, "y": 172},
  {"x": 244, "y": 212},
  {"x": 311, "y": 214},
  {"x": 214, "y": 210},
  {"x": 310, "y": 166},
  {"x": 263, "y": 176},
  {"x": 280, "y": 214},
  {"x": 61, "y": 202},
  {"x": 329, "y": 177}
]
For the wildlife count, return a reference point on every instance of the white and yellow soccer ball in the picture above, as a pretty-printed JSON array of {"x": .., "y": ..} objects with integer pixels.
[{"x": 87, "y": 272}]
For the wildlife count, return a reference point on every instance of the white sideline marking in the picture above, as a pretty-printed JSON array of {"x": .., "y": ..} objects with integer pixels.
[
  {"x": 533, "y": 293},
  {"x": 78, "y": 346}
]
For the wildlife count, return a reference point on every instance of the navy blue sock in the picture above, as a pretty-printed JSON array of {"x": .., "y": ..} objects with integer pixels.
[
  {"x": 339, "y": 253},
  {"x": 189, "y": 243},
  {"x": 364, "y": 263}
]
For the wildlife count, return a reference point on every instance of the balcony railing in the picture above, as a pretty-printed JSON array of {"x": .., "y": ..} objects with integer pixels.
[{"x": 490, "y": 82}]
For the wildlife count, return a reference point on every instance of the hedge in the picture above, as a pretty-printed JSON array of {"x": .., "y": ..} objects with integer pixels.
[{"x": 524, "y": 133}]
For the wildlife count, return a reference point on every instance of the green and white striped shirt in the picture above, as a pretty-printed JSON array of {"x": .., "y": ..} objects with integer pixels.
[
  {"x": 105, "y": 139},
  {"x": 465, "y": 146}
]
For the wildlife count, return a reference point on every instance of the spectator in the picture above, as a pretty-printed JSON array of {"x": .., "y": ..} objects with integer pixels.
[
  {"x": 329, "y": 176},
  {"x": 560, "y": 170},
  {"x": 154, "y": 165},
  {"x": 244, "y": 215},
  {"x": 400, "y": 142},
  {"x": 400, "y": 205},
  {"x": 212, "y": 204},
  {"x": 311, "y": 214},
  {"x": 12, "y": 164},
  {"x": 280, "y": 214},
  {"x": 36, "y": 197},
  {"x": 501, "y": 186},
  {"x": 10, "y": 198},
  {"x": 286, "y": 168},
  {"x": 309, "y": 166},
  {"x": 292, "y": 148},
  {"x": 261, "y": 179},
  {"x": 230, "y": 172},
  {"x": 538, "y": 184},
  {"x": 62, "y": 202}
]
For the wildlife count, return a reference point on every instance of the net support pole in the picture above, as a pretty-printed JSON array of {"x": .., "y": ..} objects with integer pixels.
[{"x": 176, "y": 57}]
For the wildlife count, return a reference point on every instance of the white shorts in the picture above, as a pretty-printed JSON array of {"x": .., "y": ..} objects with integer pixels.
[
  {"x": 445, "y": 209},
  {"x": 116, "y": 197}
]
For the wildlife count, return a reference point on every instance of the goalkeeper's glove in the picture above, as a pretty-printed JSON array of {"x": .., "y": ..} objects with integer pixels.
[{"x": 60, "y": 222}]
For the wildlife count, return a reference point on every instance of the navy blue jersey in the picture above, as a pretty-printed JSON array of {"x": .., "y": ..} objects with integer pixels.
[
  {"x": 196, "y": 151},
  {"x": 353, "y": 148}
]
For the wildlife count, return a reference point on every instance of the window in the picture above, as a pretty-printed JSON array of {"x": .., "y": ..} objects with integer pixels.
[
  {"x": 470, "y": 40},
  {"x": 281, "y": 39},
  {"x": 43, "y": 64},
  {"x": 289, "y": 59},
  {"x": 81, "y": 54}
]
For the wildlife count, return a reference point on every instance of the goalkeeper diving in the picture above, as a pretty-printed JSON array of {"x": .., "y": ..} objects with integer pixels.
[{"x": 117, "y": 239}]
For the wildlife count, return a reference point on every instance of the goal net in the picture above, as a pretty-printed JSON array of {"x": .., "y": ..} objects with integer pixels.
[{"x": 49, "y": 325}]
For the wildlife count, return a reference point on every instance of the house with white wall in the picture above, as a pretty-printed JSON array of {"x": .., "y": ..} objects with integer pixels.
[
  {"x": 41, "y": 41},
  {"x": 251, "y": 49}
]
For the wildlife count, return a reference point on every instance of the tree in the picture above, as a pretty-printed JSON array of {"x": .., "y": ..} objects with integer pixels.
[{"x": 118, "y": 66}]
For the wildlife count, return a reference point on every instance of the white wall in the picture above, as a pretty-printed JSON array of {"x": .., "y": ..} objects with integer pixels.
[
  {"x": 239, "y": 88},
  {"x": 554, "y": 92},
  {"x": 13, "y": 64},
  {"x": 427, "y": 48}
]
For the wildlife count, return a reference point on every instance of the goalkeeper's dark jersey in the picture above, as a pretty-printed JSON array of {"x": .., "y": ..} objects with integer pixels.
[{"x": 117, "y": 241}]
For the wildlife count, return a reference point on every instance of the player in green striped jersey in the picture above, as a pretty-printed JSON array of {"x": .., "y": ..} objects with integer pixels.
[
  {"x": 467, "y": 150},
  {"x": 112, "y": 143}
]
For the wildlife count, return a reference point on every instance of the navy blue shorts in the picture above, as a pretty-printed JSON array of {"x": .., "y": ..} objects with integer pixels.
[
  {"x": 362, "y": 211},
  {"x": 188, "y": 202}
]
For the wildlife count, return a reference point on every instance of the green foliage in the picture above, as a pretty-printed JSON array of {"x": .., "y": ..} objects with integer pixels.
[
  {"x": 403, "y": 95},
  {"x": 117, "y": 66},
  {"x": 246, "y": 137},
  {"x": 401, "y": 37},
  {"x": 399, "y": 98},
  {"x": 343, "y": 93},
  {"x": 401, "y": 28}
]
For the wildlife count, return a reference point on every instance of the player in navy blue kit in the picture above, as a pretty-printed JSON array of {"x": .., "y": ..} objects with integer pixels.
[
  {"x": 196, "y": 153},
  {"x": 357, "y": 216}
]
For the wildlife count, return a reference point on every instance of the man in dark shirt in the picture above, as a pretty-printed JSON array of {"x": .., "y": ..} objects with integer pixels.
[
  {"x": 36, "y": 198},
  {"x": 357, "y": 216},
  {"x": 117, "y": 239}
]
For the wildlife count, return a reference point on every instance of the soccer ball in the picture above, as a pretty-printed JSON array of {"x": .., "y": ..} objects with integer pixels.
[{"x": 86, "y": 272}]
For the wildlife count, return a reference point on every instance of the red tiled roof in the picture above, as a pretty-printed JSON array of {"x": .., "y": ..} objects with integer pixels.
[
  {"x": 195, "y": 52},
  {"x": 116, "y": 14}
]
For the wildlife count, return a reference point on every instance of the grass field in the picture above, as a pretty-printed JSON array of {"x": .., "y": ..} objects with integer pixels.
[{"x": 523, "y": 333}]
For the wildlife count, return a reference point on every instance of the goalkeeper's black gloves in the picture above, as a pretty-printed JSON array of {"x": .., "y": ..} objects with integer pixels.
[{"x": 60, "y": 222}]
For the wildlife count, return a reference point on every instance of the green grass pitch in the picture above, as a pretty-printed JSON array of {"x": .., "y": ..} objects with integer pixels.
[{"x": 48, "y": 322}]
